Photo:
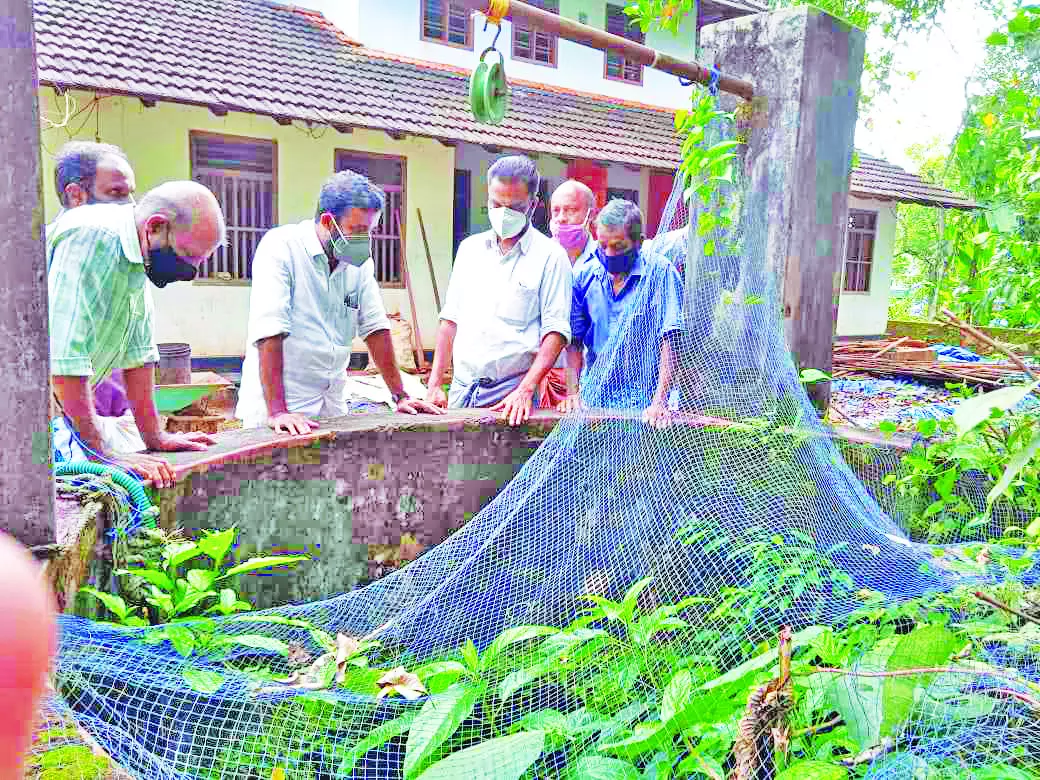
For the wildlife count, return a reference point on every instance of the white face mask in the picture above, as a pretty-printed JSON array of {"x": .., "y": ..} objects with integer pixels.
[{"x": 507, "y": 222}]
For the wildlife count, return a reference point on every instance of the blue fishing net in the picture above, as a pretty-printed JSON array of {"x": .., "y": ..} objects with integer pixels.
[{"x": 738, "y": 520}]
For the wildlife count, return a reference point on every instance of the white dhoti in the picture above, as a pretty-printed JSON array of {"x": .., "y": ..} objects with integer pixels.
[{"x": 118, "y": 435}]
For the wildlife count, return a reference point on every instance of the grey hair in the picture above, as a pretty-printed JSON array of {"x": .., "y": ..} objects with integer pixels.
[
  {"x": 584, "y": 189},
  {"x": 624, "y": 213},
  {"x": 348, "y": 190},
  {"x": 180, "y": 202},
  {"x": 516, "y": 167},
  {"x": 77, "y": 162}
]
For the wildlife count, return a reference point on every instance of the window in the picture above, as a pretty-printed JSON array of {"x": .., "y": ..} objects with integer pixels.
[
  {"x": 613, "y": 193},
  {"x": 460, "y": 216},
  {"x": 615, "y": 65},
  {"x": 859, "y": 250},
  {"x": 448, "y": 22},
  {"x": 241, "y": 174},
  {"x": 536, "y": 47},
  {"x": 387, "y": 173}
]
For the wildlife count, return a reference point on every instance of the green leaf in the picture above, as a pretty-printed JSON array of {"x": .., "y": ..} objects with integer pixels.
[
  {"x": 509, "y": 637},
  {"x": 644, "y": 738},
  {"x": 179, "y": 552},
  {"x": 182, "y": 639},
  {"x": 190, "y": 601},
  {"x": 201, "y": 579},
  {"x": 925, "y": 646},
  {"x": 927, "y": 426},
  {"x": 887, "y": 427},
  {"x": 275, "y": 620},
  {"x": 810, "y": 375},
  {"x": 996, "y": 39},
  {"x": 113, "y": 604},
  {"x": 514, "y": 681},
  {"x": 505, "y": 758},
  {"x": 804, "y": 637},
  {"x": 813, "y": 770},
  {"x": 257, "y": 642},
  {"x": 438, "y": 719},
  {"x": 599, "y": 768},
  {"x": 216, "y": 544},
  {"x": 1018, "y": 461},
  {"x": 203, "y": 680},
  {"x": 377, "y": 737},
  {"x": 151, "y": 576},
  {"x": 470, "y": 655},
  {"x": 973, "y": 411},
  {"x": 677, "y": 693},
  {"x": 265, "y": 562}
]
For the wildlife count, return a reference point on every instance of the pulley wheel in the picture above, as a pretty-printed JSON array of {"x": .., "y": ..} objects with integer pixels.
[
  {"x": 496, "y": 94},
  {"x": 477, "y": 85}
]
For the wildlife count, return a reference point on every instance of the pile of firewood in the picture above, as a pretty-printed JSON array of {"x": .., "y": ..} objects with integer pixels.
[{"x": 906, "y": 357}]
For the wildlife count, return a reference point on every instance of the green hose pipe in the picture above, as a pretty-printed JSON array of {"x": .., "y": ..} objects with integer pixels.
[{"x": 145, "y": 509}]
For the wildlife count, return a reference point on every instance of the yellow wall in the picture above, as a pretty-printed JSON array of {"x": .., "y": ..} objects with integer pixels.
[{"x": 211, "y": 315}]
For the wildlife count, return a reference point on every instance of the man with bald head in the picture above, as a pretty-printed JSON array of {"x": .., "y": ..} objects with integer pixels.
[
  {"x": 572, "y": 208},
  {"x": 100, "y": 259}
]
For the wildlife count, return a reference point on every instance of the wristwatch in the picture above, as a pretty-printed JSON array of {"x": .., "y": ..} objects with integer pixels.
[{"x": 398, "y": 397}]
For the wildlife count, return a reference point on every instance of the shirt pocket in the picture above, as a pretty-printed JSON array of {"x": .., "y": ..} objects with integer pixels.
[
  {"x": 519, "y": 305},
  {"x": 345, "y": 317}
]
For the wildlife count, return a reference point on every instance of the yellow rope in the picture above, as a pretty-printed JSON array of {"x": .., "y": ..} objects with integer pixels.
[{"x": 497, "y": 10}]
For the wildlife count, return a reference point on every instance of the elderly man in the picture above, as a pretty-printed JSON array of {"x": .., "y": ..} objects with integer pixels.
[
  {"x": 100, "y": 259},
  {"x": 571, "y": 206},
  {"x": 507, "y": 312},
  {"x": 314, "y": 288},
  {"x": 623, "y": 285}
]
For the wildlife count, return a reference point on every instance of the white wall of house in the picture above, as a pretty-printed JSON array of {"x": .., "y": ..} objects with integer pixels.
[
  {"x": 394, "y": 26},
  {"x": 866, "y": 313}
]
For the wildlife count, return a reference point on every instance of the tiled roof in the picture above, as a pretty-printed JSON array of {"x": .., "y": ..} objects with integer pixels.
[
  {"x": 875, "y": 178},
  {"x": 260, "y": 57}
]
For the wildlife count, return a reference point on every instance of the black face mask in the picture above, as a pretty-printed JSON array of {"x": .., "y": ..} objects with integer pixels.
[{"x": 165, "y": 266}]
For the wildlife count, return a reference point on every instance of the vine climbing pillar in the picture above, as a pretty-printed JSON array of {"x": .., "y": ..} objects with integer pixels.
[
  {"x": 25, "y": 452},
  {"x": 806, "y": 67}
]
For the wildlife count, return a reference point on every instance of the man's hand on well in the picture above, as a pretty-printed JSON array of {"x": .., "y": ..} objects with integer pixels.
[
  {"x": 436, "y": 396},
  {"x": 418, "y": 406},
  {"x": 571, "y": 403},
  {"x": 291, "y": 423},
  {"x": 149, "y": 467},
  {"x": 657, "y": 415},
  {"x": 182, "y": 442},
  {"x": 516, "y": 407}
]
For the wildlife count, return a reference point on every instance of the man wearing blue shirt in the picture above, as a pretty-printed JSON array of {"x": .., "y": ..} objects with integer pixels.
[{"x": 626, "y": 309}]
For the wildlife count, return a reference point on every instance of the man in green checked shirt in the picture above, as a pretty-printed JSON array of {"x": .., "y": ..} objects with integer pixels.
[{"x": 100, "y": 260}]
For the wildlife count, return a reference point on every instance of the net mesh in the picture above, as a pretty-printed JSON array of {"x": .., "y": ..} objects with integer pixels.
[{"x": 626, "y": 607}]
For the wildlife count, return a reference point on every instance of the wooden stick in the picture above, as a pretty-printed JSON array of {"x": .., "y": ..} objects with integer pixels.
[
  {"x": 1001, "y": 605},
  {"x": 890, "y": 347},
  {"x": 429, "y": 261},
  {"x": 417, "y": 343},
  {"x": 965, "y": 327}
]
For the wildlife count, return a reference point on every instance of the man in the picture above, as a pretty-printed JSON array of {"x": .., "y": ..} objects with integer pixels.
[
  {"x": 84, "y": 173},
  {"x": 507, "y": 313},
  {"x": 623, "y": 285},
  {"x": 87, "y": 172},
  {"x": 100, "y": 260},
  {"x": 314, "y": 288},
  {"x": 571, "y": 206}
]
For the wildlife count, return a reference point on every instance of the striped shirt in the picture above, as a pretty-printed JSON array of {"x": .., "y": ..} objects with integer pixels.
[{"x": 101, "y": 311}]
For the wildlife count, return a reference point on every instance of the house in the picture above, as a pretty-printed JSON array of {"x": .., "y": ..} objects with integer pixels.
[{"x": 262, "y": 102}]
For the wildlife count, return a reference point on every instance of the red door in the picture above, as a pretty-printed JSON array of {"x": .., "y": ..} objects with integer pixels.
[
  {"x": 593, "y": 176},
  {"x": 660, "y": 189}
]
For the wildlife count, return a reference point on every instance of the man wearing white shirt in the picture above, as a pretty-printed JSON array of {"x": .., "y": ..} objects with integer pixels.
[
  {"x": 507, "y": 312},
  {"x": 313, "y": 290},
  {"x": 572, "y": 209}
]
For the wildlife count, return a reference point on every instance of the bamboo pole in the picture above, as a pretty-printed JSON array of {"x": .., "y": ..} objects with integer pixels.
[
  {"x": 569, "y": 30},
  {"x": 966, "y": 328}
]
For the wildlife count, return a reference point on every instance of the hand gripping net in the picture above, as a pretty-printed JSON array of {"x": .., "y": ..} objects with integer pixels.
[{"x": 746, "y": 502}]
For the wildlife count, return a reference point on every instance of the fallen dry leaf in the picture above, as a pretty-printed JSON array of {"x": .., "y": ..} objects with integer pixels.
[{"x": 400, "y": 681}]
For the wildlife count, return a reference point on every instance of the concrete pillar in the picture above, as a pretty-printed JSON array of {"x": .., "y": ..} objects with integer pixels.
[
  {"x": 25, "y": 452},
  {"x": 806, "y": 68}
]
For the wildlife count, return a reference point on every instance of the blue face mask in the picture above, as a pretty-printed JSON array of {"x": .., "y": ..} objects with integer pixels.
[
  {"x": 618, "y": 264},
  {"x": 164, "y": 265}
]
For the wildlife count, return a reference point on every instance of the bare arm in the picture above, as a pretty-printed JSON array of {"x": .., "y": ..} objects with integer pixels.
[
  {"x": 381, "y": 348},
  {"x": 548, "y": 352},
  {"x": 77, "y": 401},
  {"x": 575, "y": 363},
  {"x": 272, "y": 377},
  {"x": 443, "y": 352},
  {"x": 140, "y": 393},
  {"x": 664, "y": 379}
]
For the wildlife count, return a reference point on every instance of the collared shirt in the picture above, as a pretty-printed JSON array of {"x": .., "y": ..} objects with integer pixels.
[
  {"x": 294, "y": 293},
  {"x": 589, "y": 252},
  {"x": 653, "y": 290},
  {"x": 100, "y": 305},
  {"x": 504, "y": 305}
]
